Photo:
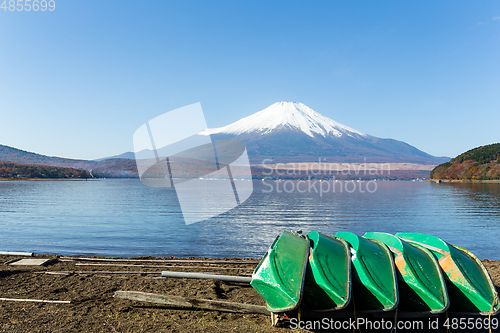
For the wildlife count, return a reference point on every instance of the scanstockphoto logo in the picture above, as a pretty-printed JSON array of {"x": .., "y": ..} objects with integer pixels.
[{"x": 209, "y": 176}]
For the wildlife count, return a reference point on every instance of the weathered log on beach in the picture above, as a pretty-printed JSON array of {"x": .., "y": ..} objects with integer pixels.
[{"x": 205, "y": 304}]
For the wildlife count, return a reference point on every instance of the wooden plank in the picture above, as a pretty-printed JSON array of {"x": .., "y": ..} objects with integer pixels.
[
  {"x": 190, "y": 275},
  {"x": 95, "y": 272},
  {"x": 9, "y": 253},
  {"x": 12, "y": 261},
  {"x": 157, "y": 266},
  {"x": 243, "y": 261},
  {"x": 205, "y": 304},
  {"x": 56, "y": 273},
  {"x": 32, "y": 262},
  {"x": 33, "y": 300}
]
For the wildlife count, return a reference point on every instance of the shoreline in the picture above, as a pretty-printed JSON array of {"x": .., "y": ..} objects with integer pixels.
[
  {"x": 85, "y": 294},
  {"x": 88, "y": 287},
  {"x": 47, "y": 179},
  {"x": 491, "y": 181}
]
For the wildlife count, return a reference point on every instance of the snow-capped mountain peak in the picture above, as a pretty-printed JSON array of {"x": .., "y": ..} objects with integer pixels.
[{"x": 287, "y": 115}]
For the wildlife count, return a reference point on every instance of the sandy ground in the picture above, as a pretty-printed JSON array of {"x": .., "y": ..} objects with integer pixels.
[{"x": 90, "y": 288}]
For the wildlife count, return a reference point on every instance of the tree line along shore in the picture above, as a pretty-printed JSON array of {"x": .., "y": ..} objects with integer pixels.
[
  {"x": 478, "y": 164},
  {"x": 14, "y": 171}
]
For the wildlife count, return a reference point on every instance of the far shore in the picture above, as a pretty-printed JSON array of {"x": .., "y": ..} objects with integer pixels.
[
  {"x": 465, "y": 180},
  {"x": 327, "y": 166},
  {"x": 94, "y": 179},
  {"x": 47, "y": 179}
]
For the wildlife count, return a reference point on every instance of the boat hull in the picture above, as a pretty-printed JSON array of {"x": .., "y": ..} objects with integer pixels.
[
  {"x": 328, "y": 277},
  {"x": 469, "y": 284},
  {"x": 279, "y": 277},
  {"x": 422, "y": 287},
  {"x": 374, "y": 275}
]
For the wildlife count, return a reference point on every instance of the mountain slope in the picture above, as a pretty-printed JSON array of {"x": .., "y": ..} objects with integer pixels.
[
  {"x": 283, "y": 132},
  {"x": 293, "y": 132},
  {"x": 127, "y": 155},
  {"x": 478, "y": 163},
  {"x": 105, "y": 168},
  {"x": 287, "y": 116}
]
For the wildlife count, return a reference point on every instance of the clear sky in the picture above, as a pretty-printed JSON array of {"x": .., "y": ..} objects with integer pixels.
[{"x": 78, "y": 81}]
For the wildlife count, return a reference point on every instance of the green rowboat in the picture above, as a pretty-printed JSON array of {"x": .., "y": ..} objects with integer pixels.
[
  {"x": 328, "y": 278},
  {"x": 469, "y": 284},
  {"x": 423, "y": 287},
  {"x": 374, "y": 276},
  {"x": 279, "y": 277}
]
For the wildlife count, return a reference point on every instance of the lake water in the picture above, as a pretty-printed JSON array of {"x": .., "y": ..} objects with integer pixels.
[{"x": 122, "y": 217}]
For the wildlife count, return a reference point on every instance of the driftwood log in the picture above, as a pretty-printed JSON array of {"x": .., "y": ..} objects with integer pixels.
[{"x": 189, "y": 302}]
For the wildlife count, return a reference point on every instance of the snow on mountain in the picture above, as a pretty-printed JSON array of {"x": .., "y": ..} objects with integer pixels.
[
  {"x": 293, "y": 132},
  {"x": 287, "y": 115}
]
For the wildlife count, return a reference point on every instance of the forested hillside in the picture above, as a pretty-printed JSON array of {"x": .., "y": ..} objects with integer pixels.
[
  {"x": 16, "y": 170},
  {"x": 482, "y": 163},
  {"x": 109, "y": 168}
]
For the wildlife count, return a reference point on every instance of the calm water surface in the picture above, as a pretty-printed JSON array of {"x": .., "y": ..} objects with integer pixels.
[{"x": 122, "y": 217}]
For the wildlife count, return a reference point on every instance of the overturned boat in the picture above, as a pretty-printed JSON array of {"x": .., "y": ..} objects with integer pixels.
[
  {"x": 469, "y": 284},
  {"x": 328, "y": 277},
  {"x": 374, "y": 276},
  {"x": 422, "y": 286},
  {"x": 279, "y": 277}
]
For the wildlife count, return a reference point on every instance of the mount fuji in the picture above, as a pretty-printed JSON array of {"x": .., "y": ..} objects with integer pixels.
[{"x": 293, "y": 132}]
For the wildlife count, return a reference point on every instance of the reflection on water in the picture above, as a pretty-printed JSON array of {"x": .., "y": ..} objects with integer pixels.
[{"x": 125, "y": 218}]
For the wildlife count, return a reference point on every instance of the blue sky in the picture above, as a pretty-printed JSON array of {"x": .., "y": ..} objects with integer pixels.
[{"x": 77, "y": 82}]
